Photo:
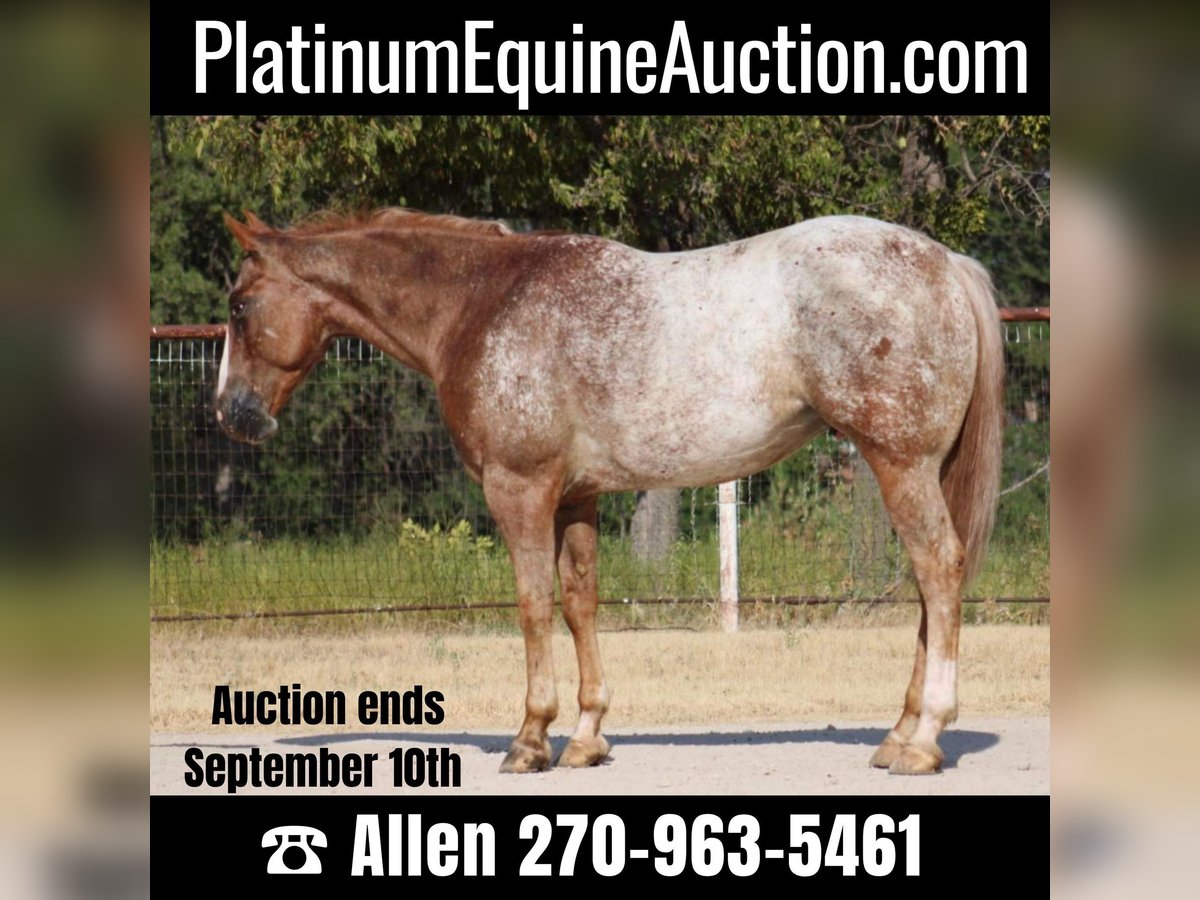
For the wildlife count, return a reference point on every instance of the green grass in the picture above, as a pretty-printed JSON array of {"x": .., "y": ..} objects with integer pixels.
[{"x": 414, "y": 567}]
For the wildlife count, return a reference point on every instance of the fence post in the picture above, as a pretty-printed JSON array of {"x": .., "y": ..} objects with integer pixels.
[{"x": 727, "y": 532}]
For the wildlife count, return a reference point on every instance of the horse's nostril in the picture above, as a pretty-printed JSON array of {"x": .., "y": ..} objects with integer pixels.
[{"x": 243, "y": 417}]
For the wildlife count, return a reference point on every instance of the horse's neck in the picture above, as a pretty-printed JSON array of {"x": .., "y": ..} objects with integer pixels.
[{"x": 407, "y": 292}]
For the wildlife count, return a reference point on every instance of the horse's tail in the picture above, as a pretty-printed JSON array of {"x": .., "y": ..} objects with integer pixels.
[{"x": 971, "y": 473}]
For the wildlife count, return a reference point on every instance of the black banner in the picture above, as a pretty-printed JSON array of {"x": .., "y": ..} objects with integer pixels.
[
  {"x": 367, "y": 843},
  {"x": 225, "y": 58}
]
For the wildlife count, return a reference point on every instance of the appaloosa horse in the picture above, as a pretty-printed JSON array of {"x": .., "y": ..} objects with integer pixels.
[{"x": 568, "y": 366}]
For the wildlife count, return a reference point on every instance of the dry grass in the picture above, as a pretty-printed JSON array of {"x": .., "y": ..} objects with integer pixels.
[{"x": 657, "y": 677}]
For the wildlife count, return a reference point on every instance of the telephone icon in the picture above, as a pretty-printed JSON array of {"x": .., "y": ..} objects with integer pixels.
[{"x": 287, "y": 836}]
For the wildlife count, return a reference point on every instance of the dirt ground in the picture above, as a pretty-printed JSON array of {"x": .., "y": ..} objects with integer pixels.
[
  {"x": 983, "y": 756},
  {"x": 769, "y": 711}
]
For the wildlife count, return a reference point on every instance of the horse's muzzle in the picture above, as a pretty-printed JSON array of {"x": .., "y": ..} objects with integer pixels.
[{"x": 244, "y": 417}]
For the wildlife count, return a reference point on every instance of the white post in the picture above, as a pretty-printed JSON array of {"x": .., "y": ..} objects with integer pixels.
[{"x": 727, "y": 532}]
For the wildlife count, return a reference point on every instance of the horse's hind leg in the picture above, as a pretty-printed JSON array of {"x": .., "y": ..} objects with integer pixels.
[
  {"x": 903, "y": 730},
  {"x": 524, "y": 511},
  {"x": 914, "y": 499},
  {"x": 575, "y": 534}
]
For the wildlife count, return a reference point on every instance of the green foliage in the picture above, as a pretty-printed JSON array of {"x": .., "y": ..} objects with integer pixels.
[
  {"x": 456, "y": 539},
  {"x": 657, "y": 182},
  {"x": 1022, "y": 515},
  {"x": 360, "y": 447},
  {"x": 191, "y": 255},
  {"x": 798, "y": 489}
]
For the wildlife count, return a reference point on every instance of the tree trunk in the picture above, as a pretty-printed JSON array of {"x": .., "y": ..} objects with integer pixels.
[
  {"x": 922, "y": 164},
  {"x": 655, "y": 524}
]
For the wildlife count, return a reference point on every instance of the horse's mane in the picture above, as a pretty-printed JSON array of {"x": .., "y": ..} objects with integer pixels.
[{"x": 398, "y": 218}]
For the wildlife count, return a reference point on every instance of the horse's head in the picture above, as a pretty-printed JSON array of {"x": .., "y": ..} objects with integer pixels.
[{"x": 276, "y": 333}]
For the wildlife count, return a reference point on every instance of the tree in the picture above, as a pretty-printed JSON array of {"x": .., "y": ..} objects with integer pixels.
[{"x": 660, "y": 183}]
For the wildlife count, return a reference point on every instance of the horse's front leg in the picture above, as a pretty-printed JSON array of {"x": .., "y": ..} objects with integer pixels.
[
  {"x": 524, "y": 511},
  {"x": 575, "y": 532}
]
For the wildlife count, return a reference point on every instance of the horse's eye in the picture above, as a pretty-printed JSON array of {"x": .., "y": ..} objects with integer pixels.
[{"x": 237, "y": 307}]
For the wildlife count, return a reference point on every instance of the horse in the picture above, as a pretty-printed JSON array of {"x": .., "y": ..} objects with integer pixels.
[{"x": 567, "y": 366}]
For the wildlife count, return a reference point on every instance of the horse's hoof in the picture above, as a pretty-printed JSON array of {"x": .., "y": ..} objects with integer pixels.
[
  {"x": 522, "y": 758},
  {"x": 579, "y": 754},
  {"x": 887, "y": 753},
  {"x": 915, "y": 759}
]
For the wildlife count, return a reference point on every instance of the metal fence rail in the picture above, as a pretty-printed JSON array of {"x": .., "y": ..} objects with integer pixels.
[{"x": 359, "y": 504}]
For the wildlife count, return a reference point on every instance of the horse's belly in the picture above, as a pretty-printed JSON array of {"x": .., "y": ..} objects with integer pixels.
[{"x": 707, "y": 447}]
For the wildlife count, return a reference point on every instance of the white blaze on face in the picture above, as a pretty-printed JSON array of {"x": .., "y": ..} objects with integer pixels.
[{"x": 224, "y": 373}]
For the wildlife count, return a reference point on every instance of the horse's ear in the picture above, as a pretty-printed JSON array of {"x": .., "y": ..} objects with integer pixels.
[
  {"x": 255, "y": 223},
  {"x": 244, "y": 234}
]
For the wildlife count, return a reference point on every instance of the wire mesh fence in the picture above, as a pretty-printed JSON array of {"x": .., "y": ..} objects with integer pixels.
[{"x": 359, "y": 502}]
